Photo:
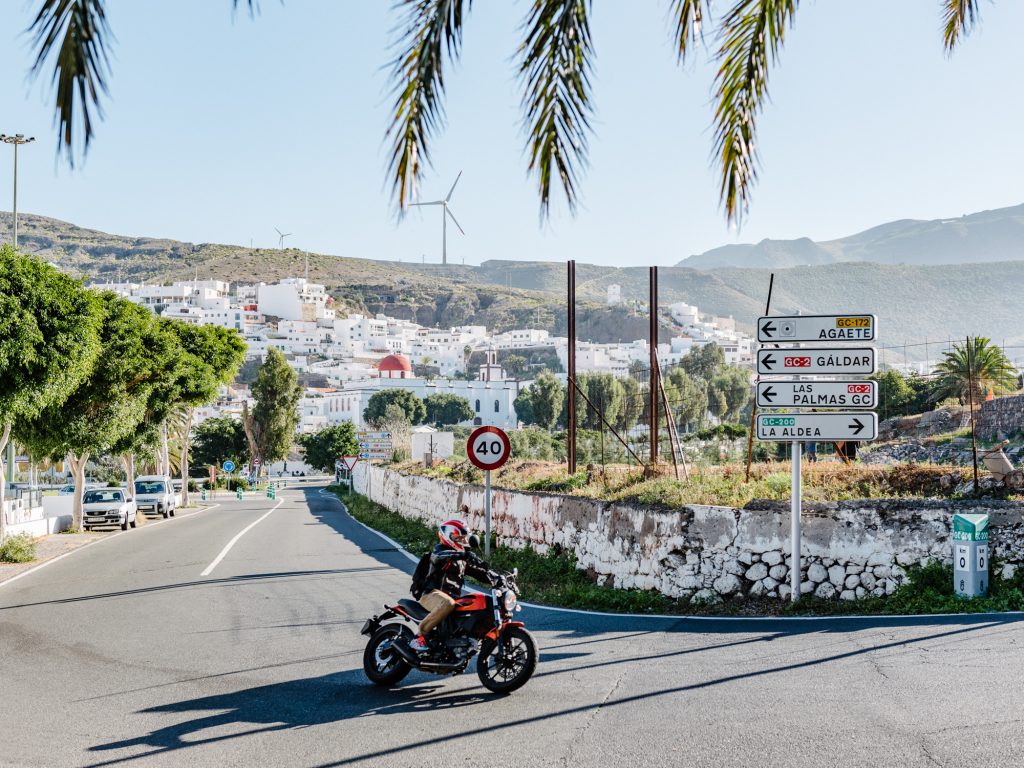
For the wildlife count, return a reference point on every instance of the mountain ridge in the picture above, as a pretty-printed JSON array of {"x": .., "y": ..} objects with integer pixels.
[{"x": 986, "y": 236}]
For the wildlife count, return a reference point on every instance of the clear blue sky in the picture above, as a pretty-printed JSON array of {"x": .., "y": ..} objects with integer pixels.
[{"x": 217, "y": 130}]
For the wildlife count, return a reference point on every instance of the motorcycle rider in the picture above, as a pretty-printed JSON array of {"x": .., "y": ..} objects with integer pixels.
[{"x": 450, "y": 563}]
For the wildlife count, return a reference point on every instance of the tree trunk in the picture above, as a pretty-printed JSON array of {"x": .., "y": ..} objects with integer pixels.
[
  {"x": 186, "y": 440},
  {"x": 78, "y": 472},
  {"x": 4, "y": 437},
  {"x": 250, "y": 435},
  {"x": 128, "y": 461},
  {"x": 165, "y": 456}
]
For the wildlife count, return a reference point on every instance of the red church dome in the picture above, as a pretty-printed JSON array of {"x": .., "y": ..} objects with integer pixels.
[{"x": 395, "y": 364}]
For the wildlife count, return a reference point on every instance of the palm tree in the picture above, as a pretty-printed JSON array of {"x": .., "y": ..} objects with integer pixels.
[
  {"x": 553, "y": 61},
  {"x": 976, "y": 361}
]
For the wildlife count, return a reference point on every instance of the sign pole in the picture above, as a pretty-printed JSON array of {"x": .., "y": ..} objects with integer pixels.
[
  {"x": 487, "y": 513},
  {"x": 795, "y": 533}
]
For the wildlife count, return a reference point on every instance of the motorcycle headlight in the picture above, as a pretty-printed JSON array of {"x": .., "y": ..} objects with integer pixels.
[{"x": 509, "y": 600}]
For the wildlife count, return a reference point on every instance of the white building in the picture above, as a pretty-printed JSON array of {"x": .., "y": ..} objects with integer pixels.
[
  {"x": 295, "y": 298},
  {"x": 614, "y": 295}
]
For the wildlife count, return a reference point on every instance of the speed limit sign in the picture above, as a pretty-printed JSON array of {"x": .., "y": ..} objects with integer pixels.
[{"x": 488, "y": 448}]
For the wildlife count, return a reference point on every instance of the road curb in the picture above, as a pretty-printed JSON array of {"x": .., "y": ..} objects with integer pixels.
[{"x": 682, "y": 617}]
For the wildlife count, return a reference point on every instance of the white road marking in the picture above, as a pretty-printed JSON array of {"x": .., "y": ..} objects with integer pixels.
[
  {"x": 240, "y": 534},
  {"x": 144, "y": 527}
]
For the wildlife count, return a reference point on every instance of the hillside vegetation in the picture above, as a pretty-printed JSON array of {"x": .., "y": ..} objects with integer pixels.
[{"x": 914, "y": 303}]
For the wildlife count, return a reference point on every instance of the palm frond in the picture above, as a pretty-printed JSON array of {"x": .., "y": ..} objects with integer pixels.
[
  {"x": 752, "y": 33},
  {"x": 76, "y": 33},
  {"x": 430, "y": 33},
  {"x": 690, "y": 17},
  {"x": 554, "y": 70},
  {"x": 958, "y": 17}
]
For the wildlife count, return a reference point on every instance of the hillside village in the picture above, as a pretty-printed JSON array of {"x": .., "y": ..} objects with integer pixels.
[{"x": 344, "y": 358}]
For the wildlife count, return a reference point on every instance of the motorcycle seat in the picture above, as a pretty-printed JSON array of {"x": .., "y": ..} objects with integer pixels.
[{"x": 413, "y": 608}]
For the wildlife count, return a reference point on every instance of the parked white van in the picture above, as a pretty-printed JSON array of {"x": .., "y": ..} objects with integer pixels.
[{"x": 155, "y": 494}]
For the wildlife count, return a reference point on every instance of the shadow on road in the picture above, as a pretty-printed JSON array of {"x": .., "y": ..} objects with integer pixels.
[
  {"x": 347, "y": 695},
  {"x": 226, "y": 581}
]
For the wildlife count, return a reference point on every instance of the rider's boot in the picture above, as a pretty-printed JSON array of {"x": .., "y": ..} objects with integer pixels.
[{"x": 419, "y": 645}]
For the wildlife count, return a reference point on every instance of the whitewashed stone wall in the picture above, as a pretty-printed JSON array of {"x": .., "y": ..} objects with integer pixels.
[{"x": 850, "y": 549}]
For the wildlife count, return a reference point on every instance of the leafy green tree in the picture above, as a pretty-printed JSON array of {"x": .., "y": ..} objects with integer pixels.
[
  {"x": 523, "y": 405},
  {"x": 633, "y": 398},
  {"x": 110, "y": 403},
  {"x": 271, "y": 426},
  {"x": 729, "y": 392},
  {"x": 168, "y": 361},
  {"x": 328, "y": 445},
  {"x": 553, "y": 62},
  {"x": 218, "y": 439},
  {"x": 894, "y": 393},
  {"x": 703, "y": 362},
  {"x": 444, "y": 408},
  {"x": 979, "y": 363},
  {"x": 405, "y": 406},
  {"x": 514, "y": 365},
  {"x": 49, "y": 340},
  {"x": 532, "y": 443},
  {"x": 211, "y": 356},
  {"x": 605, "y": 393},
  {"x": 548, "y": 397},
  {"x": 688, "y": 398}
]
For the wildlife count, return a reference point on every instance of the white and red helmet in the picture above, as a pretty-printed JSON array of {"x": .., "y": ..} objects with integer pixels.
[{"x": 453, "y": 534}]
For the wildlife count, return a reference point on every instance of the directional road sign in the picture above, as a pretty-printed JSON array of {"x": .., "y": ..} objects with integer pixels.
[
  {"x": 229, "y": 466},
  {"x": 796, "y": 328},
  {"x": 817, "y": 427},
  {"x": 818, "y": 361},
  {"x": 816, "y": 394}
]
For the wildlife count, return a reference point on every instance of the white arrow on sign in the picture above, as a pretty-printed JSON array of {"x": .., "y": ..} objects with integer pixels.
[
  {"x": 817, "y": 361},
  {"x": 816, "y": 394},
  {"x": 794, "y": 328},
  {"x": 823, "y": 427}
]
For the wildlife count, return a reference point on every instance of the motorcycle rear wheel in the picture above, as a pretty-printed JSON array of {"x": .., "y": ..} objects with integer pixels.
[
  {"x": 516, "y": 665},
  {"x": 384, "y": 666}
]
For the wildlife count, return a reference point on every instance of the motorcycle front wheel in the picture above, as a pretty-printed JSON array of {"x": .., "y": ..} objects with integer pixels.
[
  {"x": 515, "y": 665},
  {"x": 381, "y": 663}
]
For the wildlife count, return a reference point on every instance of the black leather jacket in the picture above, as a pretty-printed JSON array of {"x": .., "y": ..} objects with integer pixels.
[{"x": 449, "y": 568}]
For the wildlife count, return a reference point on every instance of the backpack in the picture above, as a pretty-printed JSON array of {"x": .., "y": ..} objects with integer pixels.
[{"x": 419, "y": 577}]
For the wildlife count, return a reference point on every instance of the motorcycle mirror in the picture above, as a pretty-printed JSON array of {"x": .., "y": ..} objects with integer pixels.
[
  {"x": 515, "y": 572},
  {"x": 474, "y": 541}
]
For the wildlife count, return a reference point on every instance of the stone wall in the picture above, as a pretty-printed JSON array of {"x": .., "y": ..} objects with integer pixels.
[
  {"x": 850, "y": 549},
  {"x": 1001, "y": 415}
]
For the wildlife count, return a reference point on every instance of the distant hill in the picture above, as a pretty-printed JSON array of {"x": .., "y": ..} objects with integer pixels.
[
  {"x": 978, "y": 237},
  {"x": 914, "y": 302}
]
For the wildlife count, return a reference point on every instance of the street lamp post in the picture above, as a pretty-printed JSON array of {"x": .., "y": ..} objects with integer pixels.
[{"x": 17, "y": 140}]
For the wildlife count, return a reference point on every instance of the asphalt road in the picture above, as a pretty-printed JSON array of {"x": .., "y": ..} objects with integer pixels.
[{"x": 123, "y": 653}]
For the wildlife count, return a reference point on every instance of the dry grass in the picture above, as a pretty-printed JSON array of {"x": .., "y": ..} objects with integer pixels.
[{"x": 719, "y": 485}]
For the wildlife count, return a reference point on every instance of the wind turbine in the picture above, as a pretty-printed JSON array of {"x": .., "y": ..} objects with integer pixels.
[
  {"x": 445, "y": 213},
  {"x": 281, "y": 237}
]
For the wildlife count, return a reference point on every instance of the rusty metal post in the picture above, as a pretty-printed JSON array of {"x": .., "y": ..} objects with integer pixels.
[
  {"x": 655, "y": 381},
  {"x": 570, "y": 434}
]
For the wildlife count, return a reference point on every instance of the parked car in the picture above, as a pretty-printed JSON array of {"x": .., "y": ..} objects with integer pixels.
[
  {"x": 106, "y": 506},
  {"x": 155, "y": 494},
  {"x": 69, "y": 489}
]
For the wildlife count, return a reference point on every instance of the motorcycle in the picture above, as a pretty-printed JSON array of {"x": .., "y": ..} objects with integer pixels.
[{"x": 481, "y": 625}]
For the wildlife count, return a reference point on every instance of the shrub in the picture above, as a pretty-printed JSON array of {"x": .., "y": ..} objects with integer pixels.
[{"x": 18, "y": 549}]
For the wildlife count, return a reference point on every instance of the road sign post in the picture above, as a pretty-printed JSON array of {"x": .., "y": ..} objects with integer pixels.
[
  {"x": 488, "y": 448},
  {"x": 799, "y": 426}
]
